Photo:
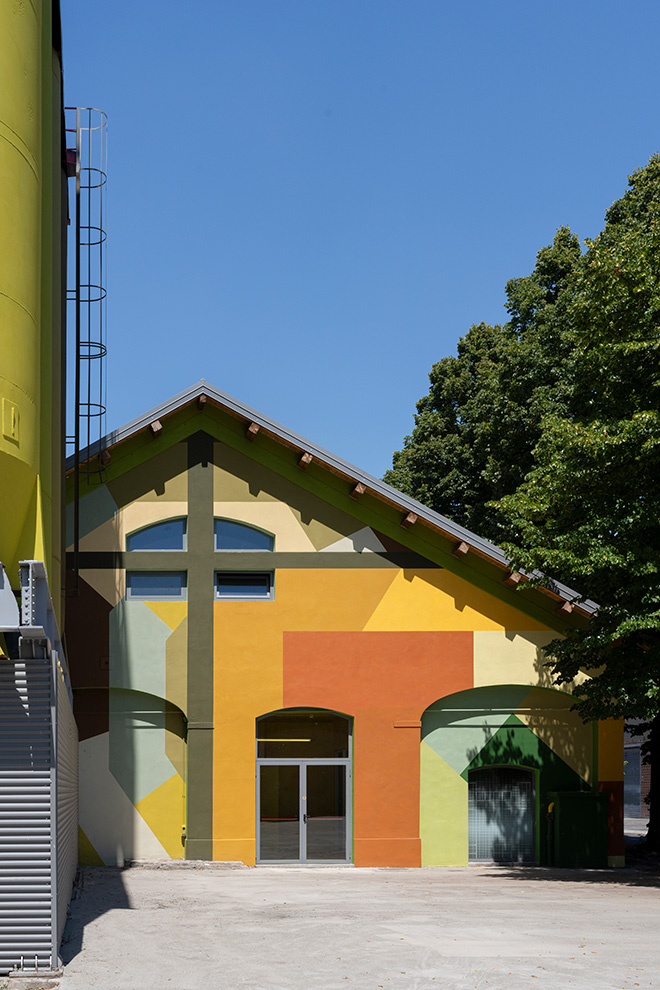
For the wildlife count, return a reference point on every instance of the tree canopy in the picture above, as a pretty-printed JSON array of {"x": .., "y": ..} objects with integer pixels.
[
  {"x": 476, "y": 430},
  {"x": 544, "y": 435},
  {"x": 589, "y": 510}
]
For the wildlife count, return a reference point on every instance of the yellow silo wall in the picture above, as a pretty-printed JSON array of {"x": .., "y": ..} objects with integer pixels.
[{"x": 32, "y": 205}]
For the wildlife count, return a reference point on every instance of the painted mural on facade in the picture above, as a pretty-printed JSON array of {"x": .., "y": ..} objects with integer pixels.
[{"x": 228, "y": 574}]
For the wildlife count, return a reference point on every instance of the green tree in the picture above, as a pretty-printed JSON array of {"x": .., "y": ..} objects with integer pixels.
[
  {"x": 476, "y": 430},
  {"x": 544, "y": 435},
  {"x": 589, "y": 510}
]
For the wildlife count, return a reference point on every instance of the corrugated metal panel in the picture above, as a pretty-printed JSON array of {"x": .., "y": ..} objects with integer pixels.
[
  {"x": 26, "y": 839},
  {"x": 67, "y": 797}
]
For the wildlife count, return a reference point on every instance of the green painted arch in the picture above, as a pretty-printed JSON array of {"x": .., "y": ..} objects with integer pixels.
[
  {"x": 503, "y": 725},
  {"x": 457, "y": 726}
]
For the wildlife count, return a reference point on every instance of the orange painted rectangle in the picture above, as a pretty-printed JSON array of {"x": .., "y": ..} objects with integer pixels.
[
  {"x": 385, "y": 680},
  {"x": 388, "y": 852},
  {"x": 349, "y": 670}
]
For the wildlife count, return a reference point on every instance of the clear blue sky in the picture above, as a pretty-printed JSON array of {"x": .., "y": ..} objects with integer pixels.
[{"x": 310, "y": 201}]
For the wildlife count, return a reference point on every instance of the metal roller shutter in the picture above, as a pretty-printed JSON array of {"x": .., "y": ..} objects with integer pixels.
[
  {"x": 26, "y": 838},
  {"x": 67, "y": 796}
]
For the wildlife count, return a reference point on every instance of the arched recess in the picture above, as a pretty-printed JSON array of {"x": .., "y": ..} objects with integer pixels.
[
  {"x": 132, "y": 780},
  {"x": 498, "y": 726},
  {"x": 304, "y": 796}
]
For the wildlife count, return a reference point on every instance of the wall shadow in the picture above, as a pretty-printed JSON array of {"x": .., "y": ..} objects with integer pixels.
[
  {"x": 625, "y": 876},
  {"x": 97, "y": 890}
]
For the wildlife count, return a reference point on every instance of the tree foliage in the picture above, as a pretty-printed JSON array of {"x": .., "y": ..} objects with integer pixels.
[
  {"x": 476, "y": 429},
  {"x": 544, "y": 435},
  {"x": 589, "y": 510}
]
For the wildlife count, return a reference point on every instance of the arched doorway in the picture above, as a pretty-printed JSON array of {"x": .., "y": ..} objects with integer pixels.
[
  {"x": 501, "y": 815},
  {"x": 303, "y": 787}
]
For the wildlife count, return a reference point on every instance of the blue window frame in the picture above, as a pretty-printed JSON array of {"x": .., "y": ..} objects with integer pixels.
[
  {"x": 168, "y": 535},
  {"x": 156, "y": 586},
  {"x": 244, "y": 585},
  {"x": 230, "y": 535}
]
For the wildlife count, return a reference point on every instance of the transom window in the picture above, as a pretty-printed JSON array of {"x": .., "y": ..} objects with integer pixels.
[
  {"x": 242, "y": 585},
  {"x": 156, "y": 586},
  {"x": 230, "y": 535},
  {"x": 303, "y": 735},
  {"x": 168, "y": 535}
]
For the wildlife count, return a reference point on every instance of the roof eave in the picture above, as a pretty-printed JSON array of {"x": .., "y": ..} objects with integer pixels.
[{"x": 374, "y": 486}]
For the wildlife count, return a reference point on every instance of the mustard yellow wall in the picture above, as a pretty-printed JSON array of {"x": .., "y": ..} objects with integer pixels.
[{"x": 31, "y": 265}]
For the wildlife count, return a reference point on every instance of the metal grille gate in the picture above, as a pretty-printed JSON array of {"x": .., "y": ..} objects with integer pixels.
[
  {"x": 38, "y": 781},
  {"x": 25, "y": 813},
  {"x": 501, "y": 815}
]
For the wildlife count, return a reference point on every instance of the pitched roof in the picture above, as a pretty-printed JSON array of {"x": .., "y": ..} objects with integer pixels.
[{"x": 374, "y": 486}]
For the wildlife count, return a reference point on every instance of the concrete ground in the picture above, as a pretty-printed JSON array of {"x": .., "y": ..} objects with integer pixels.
[{"x": 214, "y": 927}]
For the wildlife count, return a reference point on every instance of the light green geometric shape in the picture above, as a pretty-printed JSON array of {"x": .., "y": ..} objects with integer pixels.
[
  {"x": 138, "y": 641},
  {"x": 137, "y": 743},
  {"x": 95, "y": 509},
  {"x": 459, "y": 726},
  {"x": 443, "y": 819}
]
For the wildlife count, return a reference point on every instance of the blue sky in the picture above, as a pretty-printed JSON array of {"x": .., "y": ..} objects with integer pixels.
[{"x": 310, "y": 201}]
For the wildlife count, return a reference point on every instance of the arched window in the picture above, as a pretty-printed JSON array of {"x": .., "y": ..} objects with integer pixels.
[
  {"x": 167, "y": 535},
  {"x": 236, "y": 536},
  {"x": 303, "y": 735}
]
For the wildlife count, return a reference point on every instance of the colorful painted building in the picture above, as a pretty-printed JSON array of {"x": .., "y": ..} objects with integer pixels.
[{"x": 278, "y": 658}]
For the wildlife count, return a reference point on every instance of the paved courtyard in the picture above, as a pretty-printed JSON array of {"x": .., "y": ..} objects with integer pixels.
[{"x": 224, "y": 928}]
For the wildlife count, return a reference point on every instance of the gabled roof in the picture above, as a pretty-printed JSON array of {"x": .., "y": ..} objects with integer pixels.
[{"x": 202, "y": 390}]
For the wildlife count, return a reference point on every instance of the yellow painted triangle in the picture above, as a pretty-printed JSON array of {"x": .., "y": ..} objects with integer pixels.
[
  {"x": 171, "y": 613},
  {"x": 164, "y": 812}
]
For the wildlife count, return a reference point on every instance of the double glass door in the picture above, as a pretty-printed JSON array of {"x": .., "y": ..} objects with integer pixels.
[
  {"x": 303, "y": 812},
  {"x": 303, "y": 787}
]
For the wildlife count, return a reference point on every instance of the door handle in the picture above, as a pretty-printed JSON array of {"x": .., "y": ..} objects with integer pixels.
[{"x": 305, "y": 818}]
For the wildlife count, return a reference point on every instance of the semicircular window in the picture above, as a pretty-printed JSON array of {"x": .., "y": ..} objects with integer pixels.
[
  {"x": 303, "y": 735},
  {"x": 230, "y": 535},
  {"x": 168, "y": 535}
]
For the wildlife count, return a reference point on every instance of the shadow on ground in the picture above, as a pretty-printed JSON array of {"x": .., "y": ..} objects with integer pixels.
[
  {"x": 85, "y": 907},
  {"x": 642, "y": 870}
]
